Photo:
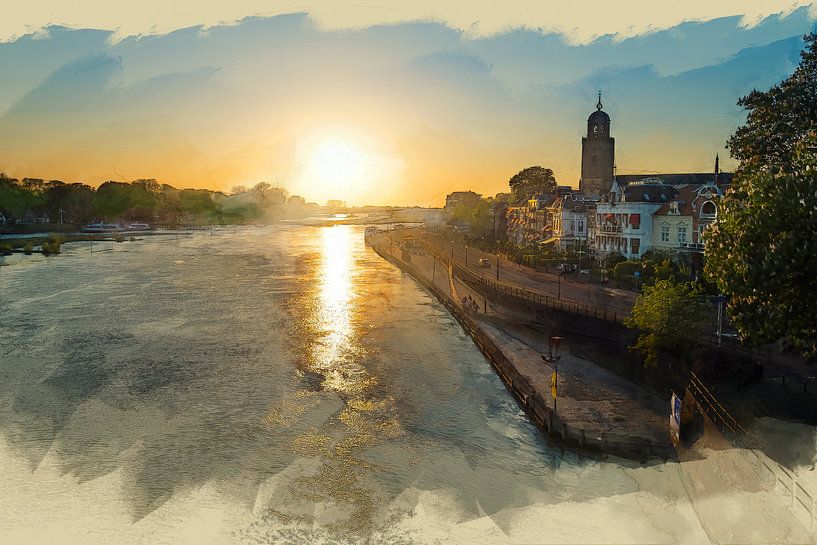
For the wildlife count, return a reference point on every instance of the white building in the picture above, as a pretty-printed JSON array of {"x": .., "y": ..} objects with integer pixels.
[{"x": 624, "y": 219}]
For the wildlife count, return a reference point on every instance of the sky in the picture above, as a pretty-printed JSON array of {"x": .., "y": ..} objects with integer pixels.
[{"x": 377, "y": 103}]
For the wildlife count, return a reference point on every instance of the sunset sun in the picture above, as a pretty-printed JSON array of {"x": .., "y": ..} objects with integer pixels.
[{"x": 337, "y": 162}]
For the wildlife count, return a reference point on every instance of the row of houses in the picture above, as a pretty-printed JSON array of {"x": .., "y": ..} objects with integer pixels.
[{"x": 634, "y": 217}]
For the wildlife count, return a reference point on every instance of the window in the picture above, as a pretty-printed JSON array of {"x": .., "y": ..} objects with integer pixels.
[
  {"x": 708, "y": 210},
  {"x": 682, "y": 233},
  {"x": 581, "y": 226},
  {"x": 635, "y": 244},
  {"x": 665, "y": 233},
  {"x": 572, "y": 226}
]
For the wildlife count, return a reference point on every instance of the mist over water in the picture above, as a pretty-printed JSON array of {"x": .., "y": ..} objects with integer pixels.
[{"x": 275, "y": 385}]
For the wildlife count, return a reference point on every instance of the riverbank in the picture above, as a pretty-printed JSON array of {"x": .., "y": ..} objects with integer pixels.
[{"x": 596, "y": 411}]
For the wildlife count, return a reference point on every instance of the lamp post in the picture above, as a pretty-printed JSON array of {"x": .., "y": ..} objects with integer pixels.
[
  {"x": 497, "y": 263},
  {"x": 553, "y": 357},
  {"x": 466, "y": 256},
  {"x": 719, "y": 299},
  {"x": 452, "y": 251},
  {"x": 559, "y": 277}
]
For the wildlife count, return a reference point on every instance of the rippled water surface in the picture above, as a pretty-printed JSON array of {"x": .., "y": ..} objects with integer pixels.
[{"x": 275, "y": 385}]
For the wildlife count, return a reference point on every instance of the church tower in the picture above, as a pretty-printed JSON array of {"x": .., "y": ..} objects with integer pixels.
[{"x": 598, "y": 155}]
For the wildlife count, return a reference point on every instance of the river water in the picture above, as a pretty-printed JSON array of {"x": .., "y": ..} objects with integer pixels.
[{"x": 278, "y": 385}]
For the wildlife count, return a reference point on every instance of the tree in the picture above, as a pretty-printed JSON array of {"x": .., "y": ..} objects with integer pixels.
[
  {"x": 781, "y": 118},
  {"x": 762, "y": 251},
  {"x": 670, "y": 316},
  {"x": 531, "y": 181}
]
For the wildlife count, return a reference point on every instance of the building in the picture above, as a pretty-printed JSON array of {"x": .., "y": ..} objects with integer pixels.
[
  {"x": 624, "y": 218},
  {"x": 569, "y": 221},
  {"x": 598, "y": 155},
  {"x": 680, "y": 224},
  {"x": 531, "y": 223}
]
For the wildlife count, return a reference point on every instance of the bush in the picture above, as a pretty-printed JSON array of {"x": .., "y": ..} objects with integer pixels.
[
  {"x": 27, "y": 248},
  {"x": 117, "y": 237},
  {"x": 6, "y": 248},
  {"x": 52, "y": 247},
  {"x": 626, "y": 269}
]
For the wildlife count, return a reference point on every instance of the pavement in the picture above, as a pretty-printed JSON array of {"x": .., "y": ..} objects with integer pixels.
[
  {"x": 588, "y": 397},
  {"x": 571, "y": 287}
]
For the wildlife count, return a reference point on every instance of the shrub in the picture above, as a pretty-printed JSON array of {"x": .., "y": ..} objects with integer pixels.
[{"x": 27, "y": 248}]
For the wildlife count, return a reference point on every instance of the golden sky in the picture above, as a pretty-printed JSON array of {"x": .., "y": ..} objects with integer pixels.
[{"x": 404, "y": 112}]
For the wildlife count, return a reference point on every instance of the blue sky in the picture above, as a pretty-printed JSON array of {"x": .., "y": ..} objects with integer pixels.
[{"x": 416, "y": 108}]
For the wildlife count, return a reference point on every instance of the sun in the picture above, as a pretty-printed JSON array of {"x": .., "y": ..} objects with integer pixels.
[
  {"x": 349, "y": 164},
  {"x": 337, "y": 162}
]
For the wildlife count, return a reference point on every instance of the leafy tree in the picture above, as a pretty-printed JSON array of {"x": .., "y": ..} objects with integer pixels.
[
  {"x": 762, "y": 251},
  {"x": 531, "y": 181},
  {"x": 781, "y": 118},
  {"x": 670, "y": 316},
  {"x": 481, "y": 220}
]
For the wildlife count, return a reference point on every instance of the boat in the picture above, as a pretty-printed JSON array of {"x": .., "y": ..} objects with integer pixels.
[
  {"x": 102, "y": 228},
  {"x": 137, "y": 226}
]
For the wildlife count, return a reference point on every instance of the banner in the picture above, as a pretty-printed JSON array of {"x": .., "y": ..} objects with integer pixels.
[
  {"x": 675, "y": 417},
  {"x": 553, "y": 385}
]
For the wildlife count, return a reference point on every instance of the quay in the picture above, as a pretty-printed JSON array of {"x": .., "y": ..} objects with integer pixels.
[{"x": 597, "y": 412}]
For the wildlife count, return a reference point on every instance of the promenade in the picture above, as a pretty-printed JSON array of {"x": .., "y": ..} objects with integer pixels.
[
  {"x": 596, "y": 410},
  {"x": 571, "y": 288},
  {"x": 600, "y": 412}
]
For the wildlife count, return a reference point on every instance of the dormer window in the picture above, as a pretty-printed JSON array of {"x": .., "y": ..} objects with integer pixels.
[
  {"x": 673, "y": 208},
  {"x": 709, "y": 210}
]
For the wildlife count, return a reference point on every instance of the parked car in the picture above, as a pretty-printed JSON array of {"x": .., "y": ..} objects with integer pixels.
[
  {"x": 563, "y": 268},
  {"x": 584, "y": 271},
  {"x": 483, "y": 262}
]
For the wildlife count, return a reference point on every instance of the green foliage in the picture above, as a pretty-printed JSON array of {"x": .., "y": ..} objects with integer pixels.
[
  {"x": 762, "y": 252},
  {"x": 612, "y": 260},
  {"x": 780, "y": 119},
  {"x": 670, "y": 316},
  {"x": 531, "y": 181},
  {"x": 626, "y": 269},
  {"x": 27, "y": 248},
  {"x": 6, "y": 248}
]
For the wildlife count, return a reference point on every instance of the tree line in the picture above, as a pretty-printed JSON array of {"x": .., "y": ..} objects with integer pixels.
[{"x": 144, "y": 200}]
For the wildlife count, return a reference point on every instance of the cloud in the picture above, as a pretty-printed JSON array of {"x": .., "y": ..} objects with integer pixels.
[{"x": 227, "y": 104}]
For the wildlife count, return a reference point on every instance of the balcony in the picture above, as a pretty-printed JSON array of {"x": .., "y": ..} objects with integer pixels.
[
  {"x": 692, "y": 246},
  {"x": 609, "y": 228}
]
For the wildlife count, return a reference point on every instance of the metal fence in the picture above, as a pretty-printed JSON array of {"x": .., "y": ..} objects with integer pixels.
[
  {"x": 537, "y": 405},
  {"x": 775, "y": 476},
  {"x": 528, "y": 296}
]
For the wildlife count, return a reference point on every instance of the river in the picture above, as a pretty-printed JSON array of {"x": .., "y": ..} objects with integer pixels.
[{"x": 278, "y": 385}]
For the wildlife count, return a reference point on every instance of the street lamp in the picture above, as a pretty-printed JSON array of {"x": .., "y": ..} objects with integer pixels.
[
  {"x": 553, "y": 357},
  {"x": 466, "y": 256},
  {"x": 452, "y": 250}
]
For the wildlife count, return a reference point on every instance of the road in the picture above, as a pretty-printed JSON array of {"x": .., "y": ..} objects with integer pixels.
[{"x": 571, "y": 287}]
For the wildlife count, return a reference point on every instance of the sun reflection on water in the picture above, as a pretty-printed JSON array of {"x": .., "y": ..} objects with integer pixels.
[{"x": 334, "y": 354}]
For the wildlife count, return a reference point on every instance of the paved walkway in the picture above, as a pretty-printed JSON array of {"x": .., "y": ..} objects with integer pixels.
[{"x": 589, "y": 397}]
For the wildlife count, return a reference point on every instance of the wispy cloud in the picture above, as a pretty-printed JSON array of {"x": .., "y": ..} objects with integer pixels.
[{"x": 227, "y": 104}]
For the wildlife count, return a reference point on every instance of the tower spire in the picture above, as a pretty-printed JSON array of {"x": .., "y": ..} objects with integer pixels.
[{"x": 599, "y": 106}]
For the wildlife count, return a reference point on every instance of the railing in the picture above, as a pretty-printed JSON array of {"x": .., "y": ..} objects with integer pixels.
[
  {"x": 548, "y": 301},
  {"x": 774, "y": 472}
]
